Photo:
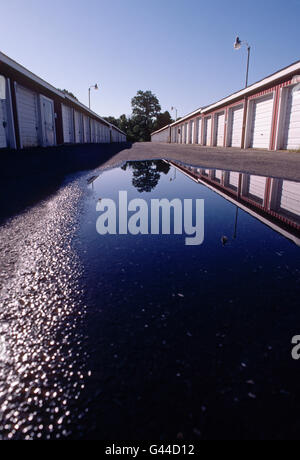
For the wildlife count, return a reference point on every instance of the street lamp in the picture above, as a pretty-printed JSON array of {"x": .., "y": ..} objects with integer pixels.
[
  {"x": 238, "y": 44},
  {"x": 96, "y": 87},
  {"x": 174, "y": 108}
]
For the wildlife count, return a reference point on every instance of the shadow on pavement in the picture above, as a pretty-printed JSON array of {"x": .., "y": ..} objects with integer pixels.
[{"x": 28, "y": 176}]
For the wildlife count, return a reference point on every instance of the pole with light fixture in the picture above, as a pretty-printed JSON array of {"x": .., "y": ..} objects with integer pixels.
[
  {"x": 238, "y": 44},
  {"x": 96, "y": 87},
  {"x": 174, "y": 108}
]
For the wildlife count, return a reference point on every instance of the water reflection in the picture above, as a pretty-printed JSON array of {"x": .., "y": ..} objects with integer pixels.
[
  {"x": 146, "y": 174},
  {"x": 275, "y": 202},
  {"x": 188, "y": 340}
]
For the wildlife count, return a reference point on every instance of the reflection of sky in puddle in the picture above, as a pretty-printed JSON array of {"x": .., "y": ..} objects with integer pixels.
[
  {"x": 274, "y": 202},
  {"x": 166, "y": 326},
  {"x": 180, "y": 320}
]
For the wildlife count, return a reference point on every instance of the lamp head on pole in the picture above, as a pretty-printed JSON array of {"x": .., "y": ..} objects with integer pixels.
[
  {"x": 96, "y": 87},
  {"x": 237, "y": 44}
]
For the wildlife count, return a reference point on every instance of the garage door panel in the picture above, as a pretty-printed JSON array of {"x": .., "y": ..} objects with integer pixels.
[
  {"x": 219, "y": 129},
  {"x": 200, "y": 131},
  {"x": 292, "y": 122},
  {"x": 257, "y": 186},
  {"x": 27, "y": 102},
  {"x": 236, "y": 126},
  {"x": 290, "y": 197},
  {"x": 262, "y": 122},
  {"x": 207, "y": 132},
  {"x": 68, "y": 125}
]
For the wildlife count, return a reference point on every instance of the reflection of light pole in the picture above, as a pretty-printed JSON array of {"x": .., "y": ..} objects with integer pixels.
[
  {"x": 172, "y": 109},
  {"x": 96, "y": 87},
  {"x": 237, "y": 46},
  {"x": 172, "y": 179}
]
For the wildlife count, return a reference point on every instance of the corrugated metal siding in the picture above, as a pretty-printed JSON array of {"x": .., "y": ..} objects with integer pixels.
[
  {"x": 162, "y": 136},
  {"x": 27, "y": 102},
  {"x": 292, "y": 122}
]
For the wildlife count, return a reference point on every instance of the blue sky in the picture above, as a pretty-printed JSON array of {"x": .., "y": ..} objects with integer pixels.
[{"x": 180, "y": 50}]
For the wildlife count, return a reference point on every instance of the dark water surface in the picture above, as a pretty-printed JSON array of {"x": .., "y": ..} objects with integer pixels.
[{"x": 143, "y": 337}]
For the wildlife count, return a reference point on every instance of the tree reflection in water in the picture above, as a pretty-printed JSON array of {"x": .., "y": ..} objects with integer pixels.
[{"x": 147, "y": 174}]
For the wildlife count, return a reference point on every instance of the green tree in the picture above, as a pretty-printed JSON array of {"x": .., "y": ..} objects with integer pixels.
[
  {"x": 68, "y": 93},
  {"x": 145, "y": 108},
  {"x": 146, "y": 174},
  {"x": 112, "y": 120},
  {"x": 146, "y": 117},
  {"x": 162, "y": 119}
]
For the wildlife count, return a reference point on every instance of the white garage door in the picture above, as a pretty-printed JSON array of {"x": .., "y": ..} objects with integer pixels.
[
  {"x": 192, "y": 135},
  {"x": 218, "y": 175},
  {"x": 78, "y": 127},
  {"x": 181, "y": 134},
  {"x": 220, "y": 127},
  {"x": 207, "y": 131},
  {"x": 47, "y": 111},
  {"x": 235, "y": 126},
  {"x": 234, "y": 179},
  {"x": 262, "y": 122},
  {"x": 290, "y": 197},
  {"x": 86, "y": 129},
  {"x": 200, "y": 131},
  {"x": 98, "y": 133},
  {"x": 257, "y": 187},
  {"x": 68, "y": 124},
  {"x": 27, "y": 102},
  {"x": 187, "y": 129},
  {"x": 93, "y": 131},
  {"x": 292, "y": 122},
  {"x": 3, "y": 124}
]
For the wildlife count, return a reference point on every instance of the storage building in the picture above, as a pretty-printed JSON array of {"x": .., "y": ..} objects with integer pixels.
[
  {"x": 33, "y": 113},
  {"x": 265, "y": 115}
]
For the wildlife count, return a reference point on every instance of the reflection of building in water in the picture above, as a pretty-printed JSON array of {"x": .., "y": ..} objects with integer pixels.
[{"x": 275, "y": 202}]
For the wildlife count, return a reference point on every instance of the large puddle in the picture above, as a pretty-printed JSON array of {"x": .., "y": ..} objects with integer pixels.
[
  {"x": 194, "y": 340},
  {"x": 176, "y": 340}
]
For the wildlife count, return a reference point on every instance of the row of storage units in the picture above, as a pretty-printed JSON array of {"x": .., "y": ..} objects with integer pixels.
[
  {"x": 33, "y": 113},
  {"x": 281, "y": 197},
  {"x": 274, "y": 201},
  {"x": 266, "y": 115},
  {"x": 81, "y": 129}
]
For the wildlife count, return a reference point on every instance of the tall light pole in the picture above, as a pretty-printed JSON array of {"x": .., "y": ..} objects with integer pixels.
[
  {"x": 174, "y": 108},
  {"x": 238, "y": 44},
  {"x": 96, "y": 87}
]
